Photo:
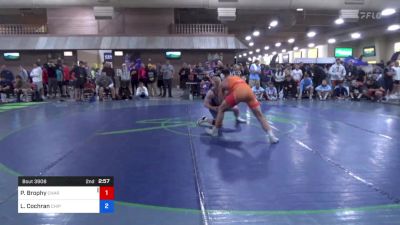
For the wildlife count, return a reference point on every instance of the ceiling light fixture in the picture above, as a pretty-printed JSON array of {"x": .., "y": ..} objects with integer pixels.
[
  {"x": 251, "y": 43},
  {"x": 296, "y": 48},
  {"x": 245, "y": 54},
  {"x": 299, "y": 9},
  {"x": 257, "y": 50},
  {"x": 311, "y": 34},
  {"x": 393, "y": 27},
  {"x": 331, "y": 40},
  {"x": 355, "y": 35},
  {"x": 250, "y": 52},
  {"x": 388, "y": 12},
  {"x": 256, "y": 33},
  {"x": 273, "y": 53},
  {"x": 291, "y": 40},
  {"x": 339, "y": 21},
  {"x": 273, "y": 23},
  {"x": 311, "y": 45},
  {"x": 283, "y": 50},
  {"x": 278, "y": 44},
  {"x": 266, "y": 47},
  {"x": 248, "y": 38}
]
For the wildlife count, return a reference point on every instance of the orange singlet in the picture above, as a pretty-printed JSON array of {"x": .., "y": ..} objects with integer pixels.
[{"x": 239, "y": 91}]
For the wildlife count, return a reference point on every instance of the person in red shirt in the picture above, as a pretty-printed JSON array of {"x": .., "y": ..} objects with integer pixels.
[
  {"x": 67, "y": 79},
  {"x": 142, "y": 74}
]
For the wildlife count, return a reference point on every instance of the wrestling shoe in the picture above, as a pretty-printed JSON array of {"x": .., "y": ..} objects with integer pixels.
[
  {"x": 202, "y": 122},
  {"x": 212, "y": 131},
  {"x": 240, "y": 120}
]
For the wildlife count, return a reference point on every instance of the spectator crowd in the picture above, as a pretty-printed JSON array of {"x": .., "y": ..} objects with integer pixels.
[{"x": 55, "y": 79}]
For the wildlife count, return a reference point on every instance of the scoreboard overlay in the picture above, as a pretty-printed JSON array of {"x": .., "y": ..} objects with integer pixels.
[{"x": 65, "y": 194}]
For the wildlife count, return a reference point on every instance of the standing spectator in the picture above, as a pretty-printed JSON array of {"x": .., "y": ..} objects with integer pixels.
[
  {"x": 265, "y": 76},
  {"x": 167, "y": 71},
  {"x": 388, "y": 74},
  {"x": 45, "y": 80},
  {"x": 67, "y": 80},
  {"x": 60, "y": 78},
  {"x": 142, "y": 74},
  {"x": 183, "y": 76},
  {"x": 117, "y": 84},
  {"x": 255, "y": 71},
  {"x": 6, "y": 73},
  {"x": 109, "y": 71},
  {"x": 289, "y": 88},
  {"x": 152, "y": 80},
  {"x": 323, "y": 90},
  {"x": 279, "y": 78},
  {"x": 297, "y": 74},
  {"x": 23, "y": 73},
  {"x": 126, "y": 80},
  {"x": 160, "y": 81},
  {"x": 81, "y": 75},
  {"x": 36, "y": 75},
  {"x": 397, "y": 78},
  {"x": 237, "y": 70},
  {"x": 52, "y": 79},
  {"x": 351, "y": 71},
  {"x": 319, "y": 75},
  {"x": 337, "y": 73},
  {"x": 306, "y": 85},
  {"x": 258, "y": 91},
  {"x": 134, "y": 78},
  {"x": 271, "y": 92}
]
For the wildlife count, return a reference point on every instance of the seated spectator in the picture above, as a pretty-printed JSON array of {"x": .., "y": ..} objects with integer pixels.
[
  {"x": 89, "y": 90},
  {"x": 105, "y": 84},
  {"x": 141, "y": 91},
  {"x": 375, "y": 91},
  {"x": 21, "y": 87},
  {"x": 306, "y": 85},
  {"x": 340, "y": 92},
  {"x": 289, "y": 88},
  {"x": 271, "y": 92},
  {"x": 356, "y": 90},
  {"x": 258, "y": 91},
  {"x": 205, "y": 85},
  {"x": 6, "y": 88},
  {"x": 324, "y": 90}
]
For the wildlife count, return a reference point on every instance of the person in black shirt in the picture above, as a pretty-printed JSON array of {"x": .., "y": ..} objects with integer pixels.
[
  {"x": 6, "y": 88},
  {"x": 289, "y": 88},
  {"x": 319, "y": 75},
  {"x": 374, "y": 91},
  {"x": 361, "y": 76},
  {"x": 152, "y": 80},
  {"x": 388, "y": 74},
  {"x": 183, "y": 76},
  {"x": 356, "y": 90},
  {"x": 6, "y": 73},
  {"x": 80, "y": 80}
]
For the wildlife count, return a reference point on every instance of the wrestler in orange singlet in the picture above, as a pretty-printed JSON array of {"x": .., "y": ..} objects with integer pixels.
[{"x": 236, "y": 90}]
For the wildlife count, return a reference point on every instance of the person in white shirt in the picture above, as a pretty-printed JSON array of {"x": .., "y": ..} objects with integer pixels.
[
  {"x": 337, "y": 73},
  {"x": 141, "y": 91},
  {"x": 297, "y": 73},
  {"x": 37, "y": 80},
  {"x": 255, "y": 71},
  {"x": 259, "y": 92},
  {"x": 279, "y": 77}
]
